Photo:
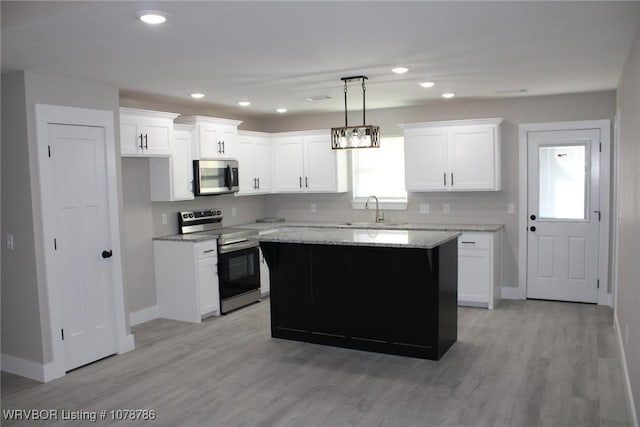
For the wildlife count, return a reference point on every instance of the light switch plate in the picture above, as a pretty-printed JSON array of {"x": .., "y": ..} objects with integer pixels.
[
  {"x": 511, "y": 208},
  {"x": 314, "y": 208},
  {"x": 445, "y": 208},
  {"x": 233, "y": 211},
  {"x": 424, "y": 208},
  {"x": 164, "y": 219}
]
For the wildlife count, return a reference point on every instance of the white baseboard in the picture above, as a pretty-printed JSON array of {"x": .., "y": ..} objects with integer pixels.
[
  {"x": 512, "y": 292},
  {"x": 144, "y": 315},
  {"x": 24, "y": 368},
  {"x": 625, "y": 373}
]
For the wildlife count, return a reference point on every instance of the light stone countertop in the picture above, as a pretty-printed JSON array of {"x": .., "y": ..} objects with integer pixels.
[
  {"x": 268, "y": 227},
  {"x": 360, "y": 237},
  {"x": 193, "y": 238},
  {"x": 271, "y": 227}
]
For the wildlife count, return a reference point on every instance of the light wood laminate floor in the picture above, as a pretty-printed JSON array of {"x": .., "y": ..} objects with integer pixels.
[{"x": 526, "y": 363}]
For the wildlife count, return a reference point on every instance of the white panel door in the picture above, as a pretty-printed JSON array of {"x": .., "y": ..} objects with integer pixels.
[
  {"x": 262, "y": 164},
  {"x": 563, "y": 209},
  {"x": 426, "y": 160},
  {"x": 82, "y": 234},
  {"x": 244, "y": 154},
  {"x": 288, "y": 173},
  {"x": 471, "y": 158},
  {"x": 319, "y": 165},
  {"x": 209, "y": 142}
]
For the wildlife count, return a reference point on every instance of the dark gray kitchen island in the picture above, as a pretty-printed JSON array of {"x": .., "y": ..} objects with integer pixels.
[{"x": 387, "y": 291}]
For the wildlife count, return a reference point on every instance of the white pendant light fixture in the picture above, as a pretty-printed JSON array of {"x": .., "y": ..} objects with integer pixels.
[{"x": 365, "y": 136}]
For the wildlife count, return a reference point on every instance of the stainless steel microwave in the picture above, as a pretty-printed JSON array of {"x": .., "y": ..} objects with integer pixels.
[{"x": 215, "y": 177}]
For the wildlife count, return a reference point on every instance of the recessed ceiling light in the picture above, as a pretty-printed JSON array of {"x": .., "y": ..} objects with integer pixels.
[
  {"x": 317, "y": 98},
  {"x": 281, "y": 110},
  {"x": 153, "y": 17},
  {"x": 197, "y": 95},
  {"x": 448, "y": 95},
  {"x": 400, "y": 70},
  {"x": 427, "y": 84},
  {"x": 244, "y": 103}
]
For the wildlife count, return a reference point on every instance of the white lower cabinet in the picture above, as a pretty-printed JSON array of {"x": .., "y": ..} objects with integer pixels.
[
  {"x": 186, "y": 279},
  {"x": 479, "y": 269}
]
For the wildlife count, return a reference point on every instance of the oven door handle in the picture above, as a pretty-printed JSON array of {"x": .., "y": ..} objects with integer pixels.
[{"x": 246, "y": 244}]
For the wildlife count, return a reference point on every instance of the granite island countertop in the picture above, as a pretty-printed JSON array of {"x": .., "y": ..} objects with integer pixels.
[
  {"x": 478, "y": 228},
  {"x": 360, "y": 237}
]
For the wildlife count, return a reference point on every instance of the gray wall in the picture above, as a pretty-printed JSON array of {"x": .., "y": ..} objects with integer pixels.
[
  {"x": 628, "y": 292},
  {"x": 21, "y": 320},
  {"x": 25, "y": 334},
  {"x": 482, "y": 207}
]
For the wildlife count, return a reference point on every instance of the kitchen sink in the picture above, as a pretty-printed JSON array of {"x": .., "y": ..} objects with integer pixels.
[{"x": 366, "y": 224}]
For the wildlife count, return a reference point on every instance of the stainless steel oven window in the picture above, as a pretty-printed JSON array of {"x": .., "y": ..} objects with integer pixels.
[{"x": 241, "y": 266}]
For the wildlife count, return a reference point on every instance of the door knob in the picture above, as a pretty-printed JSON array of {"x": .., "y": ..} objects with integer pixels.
[
  {"x": 532, "y": 228},
  {"x": 533, "y": 217},
  {"x": 107, "y": 254}
]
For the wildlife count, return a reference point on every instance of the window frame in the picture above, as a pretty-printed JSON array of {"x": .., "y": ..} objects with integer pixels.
[{"x": 385, "y": 203}]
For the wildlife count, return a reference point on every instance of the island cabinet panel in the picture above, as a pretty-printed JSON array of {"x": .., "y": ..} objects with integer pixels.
[
  {"x": 370, "y": 295},
  {"x": 290, "y": 278},
  {"x": 330, "y": 308},
  {"x": 385, "y": 299}
]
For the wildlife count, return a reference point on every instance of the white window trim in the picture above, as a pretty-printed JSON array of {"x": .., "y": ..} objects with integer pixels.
[{"x": 384, "y": 203}]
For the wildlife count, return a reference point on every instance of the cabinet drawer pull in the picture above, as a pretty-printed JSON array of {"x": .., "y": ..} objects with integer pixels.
[
  {"x": 469, "y": 243},
  {"x": 209, "y": 251}
]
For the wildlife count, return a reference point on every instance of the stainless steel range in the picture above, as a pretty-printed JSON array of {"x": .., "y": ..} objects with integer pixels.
[{"x": 238, "y": 265}]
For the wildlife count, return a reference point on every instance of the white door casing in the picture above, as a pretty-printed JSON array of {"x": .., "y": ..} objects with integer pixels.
[
  {"x": 578, "y": 244},
  {"x": 47, "y": 115},
  {"x": 564, "y": 212}
]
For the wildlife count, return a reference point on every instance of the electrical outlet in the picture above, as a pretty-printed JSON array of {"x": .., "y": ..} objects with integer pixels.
[
  {"x": 445, "y": 208},
  {"x": 314, "y": 208},
  {"x": 233, "y": 211},
  {"x": 10, "y": 241},
  {"x": 511, "y": 208},
  {"x": 164, "y": 219},
  {"x": 424, "y": 208}
]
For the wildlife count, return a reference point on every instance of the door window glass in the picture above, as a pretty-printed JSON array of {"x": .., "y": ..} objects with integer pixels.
[{"x": 563, "y": 185}]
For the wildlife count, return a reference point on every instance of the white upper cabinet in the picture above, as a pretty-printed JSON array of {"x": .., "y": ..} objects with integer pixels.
[
  {"x": 305, "y": 163},
  {"x": 212, "y": 138},
  {"x": 460, "y": 155},
  {"x": 253, "y": 151},
  {"x": 172, "y": 177},
  {"x": 145, "y": 133}
]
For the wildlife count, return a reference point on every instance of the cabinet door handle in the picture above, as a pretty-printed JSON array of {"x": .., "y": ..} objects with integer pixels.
[
  {"x": 306, "y": 181},
  {"x": 452, "y": 179},
  {"x": 300, "y": 182},
  {"x": 146, "y": 146},
  {"x": 255, "y": 183},
  {"x": 219, "y": 148},
  {"x": 141, "y": 146},
  {"x": 444, "y": 177},
  {"x": 258, "y": 178},
  {"x": 223, "y": 147}
]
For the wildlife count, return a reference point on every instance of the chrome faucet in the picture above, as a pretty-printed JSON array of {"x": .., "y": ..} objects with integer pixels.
[{"x": 379, "y": 217}]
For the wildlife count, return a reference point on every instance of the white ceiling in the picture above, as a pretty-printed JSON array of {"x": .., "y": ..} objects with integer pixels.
[{"x": 275, "y": 54}]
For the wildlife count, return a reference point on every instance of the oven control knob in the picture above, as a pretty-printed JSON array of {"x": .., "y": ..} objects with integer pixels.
[
  {"x": 185, "y": 216},
  {"x": 190, "y": 215},
  {"x": 218, "y": 212}
]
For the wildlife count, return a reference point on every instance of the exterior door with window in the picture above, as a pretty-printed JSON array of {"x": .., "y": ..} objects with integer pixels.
[{"x": 563, "y": 215}]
